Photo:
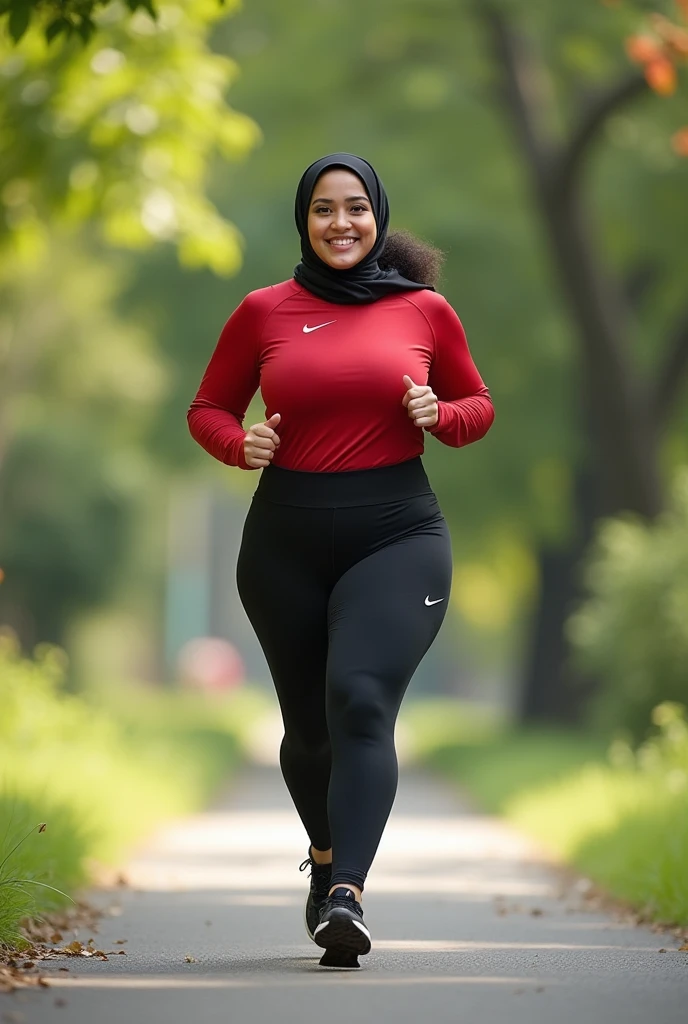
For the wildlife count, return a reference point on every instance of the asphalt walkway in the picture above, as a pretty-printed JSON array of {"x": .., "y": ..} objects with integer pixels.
[{"x": 467, "y": 924}]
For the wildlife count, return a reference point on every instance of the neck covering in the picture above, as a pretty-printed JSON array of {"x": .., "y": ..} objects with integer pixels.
[{"x": 364, "y": 282}]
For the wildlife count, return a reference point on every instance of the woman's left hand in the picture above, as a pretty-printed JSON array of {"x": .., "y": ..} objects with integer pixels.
[{"x": 421, "y": 403}]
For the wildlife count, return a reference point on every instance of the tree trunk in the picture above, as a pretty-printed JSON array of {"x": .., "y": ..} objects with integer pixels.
[
  {"x": 552, "y": 689},
  {"x": 618, "y": 412}
]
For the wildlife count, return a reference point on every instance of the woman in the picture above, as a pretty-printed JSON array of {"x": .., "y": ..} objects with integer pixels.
[{"x": 345, "y": 563}]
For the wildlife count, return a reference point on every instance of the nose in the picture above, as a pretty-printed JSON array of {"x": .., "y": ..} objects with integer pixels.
[{"x": 341, "y": 220}]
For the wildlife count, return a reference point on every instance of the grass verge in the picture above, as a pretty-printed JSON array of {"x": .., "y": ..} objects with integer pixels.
[
  {"x": 98, "y": 775},
  {"x": 618, "y": 815}
]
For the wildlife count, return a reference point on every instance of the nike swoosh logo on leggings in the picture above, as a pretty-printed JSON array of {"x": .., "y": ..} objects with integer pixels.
[{"x": 429, "y": 602}]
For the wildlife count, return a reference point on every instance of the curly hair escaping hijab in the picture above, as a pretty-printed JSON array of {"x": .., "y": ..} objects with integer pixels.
[{"x": 412, "y": 258}]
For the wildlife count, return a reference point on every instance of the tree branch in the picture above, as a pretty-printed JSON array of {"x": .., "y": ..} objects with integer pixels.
[
  {"x": 640, "y": 280},
  {"x": 592, "y": 119},
  {"x": 672, "y": 372},
  {"x": 520, "y": 92}
]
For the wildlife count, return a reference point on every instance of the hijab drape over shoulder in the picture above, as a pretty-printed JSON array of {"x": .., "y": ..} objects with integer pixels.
[{"x": 364, "y": 282}]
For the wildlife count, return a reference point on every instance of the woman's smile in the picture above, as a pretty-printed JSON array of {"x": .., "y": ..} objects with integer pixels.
[{"x": 342, "y": 243}]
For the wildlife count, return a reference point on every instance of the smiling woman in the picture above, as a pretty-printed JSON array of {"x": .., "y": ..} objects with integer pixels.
[
  {"x": 342, "y": 229},
  {"x": 345, "y": 562},
  {"x": 341, "y": 198}
]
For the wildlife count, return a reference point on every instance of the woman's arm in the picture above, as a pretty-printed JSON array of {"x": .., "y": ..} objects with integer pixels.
[
  {"x": 229, "y": 383},
  {"x": 465, "y": 410}
]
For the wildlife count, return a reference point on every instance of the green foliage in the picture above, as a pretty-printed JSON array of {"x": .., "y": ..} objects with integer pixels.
[
  {"x": 633, "y": 630},
  {"x": 121, "y": 131},
  {"x": 622, "y": 818},
  {"x": 431, "y": 724},
  {"x": 60, "y": 17},
  {"x": 498, "y": 769},
  {"x": 63, "y": 531},
  {"x": 36, "y": 858},
  {"x": 100, "y": 776},
  {"x": 78, "y": 384}
]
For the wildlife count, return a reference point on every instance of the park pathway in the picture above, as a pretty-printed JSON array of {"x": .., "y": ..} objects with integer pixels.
[{"x": 467, "y": 925}]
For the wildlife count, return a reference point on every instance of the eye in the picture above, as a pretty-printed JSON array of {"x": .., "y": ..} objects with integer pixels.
[
  {"x": 322, "y": 209},
  {"x": 359, "y": 209}
]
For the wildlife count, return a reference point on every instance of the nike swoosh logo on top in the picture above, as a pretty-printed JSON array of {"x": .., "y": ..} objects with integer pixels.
[
  {"x": 307, "y": 329},
  {"x": 429, "y": 602}
]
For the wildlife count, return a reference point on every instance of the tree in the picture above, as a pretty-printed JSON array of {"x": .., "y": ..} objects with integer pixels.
[
  {"x": 624, "y": 415},
  {"x": 121, "y": 131},
  {"x": 107, "y": 144},
  {"x": 113, "y": 140},
  {"x": 60, "y": 17}
]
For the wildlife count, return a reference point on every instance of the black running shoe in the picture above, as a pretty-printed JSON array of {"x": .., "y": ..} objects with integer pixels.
[
  {"x": 341, "y": 927},
  {"x": 320, "y": 875}
]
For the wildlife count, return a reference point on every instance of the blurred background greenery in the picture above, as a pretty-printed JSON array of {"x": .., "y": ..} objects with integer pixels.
[{"x": 150, "y": 157}]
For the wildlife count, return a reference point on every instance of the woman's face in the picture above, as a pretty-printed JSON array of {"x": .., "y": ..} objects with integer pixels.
[{"x": 341, "y": 224}]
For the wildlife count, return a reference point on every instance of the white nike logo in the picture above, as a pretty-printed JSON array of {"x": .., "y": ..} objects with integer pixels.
[
  {"x": 307, "y": 329},
  {"x": 429, "y": 602}
]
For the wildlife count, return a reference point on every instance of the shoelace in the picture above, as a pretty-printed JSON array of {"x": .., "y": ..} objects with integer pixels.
[
  {"x": 320, "y": 878},
  {"x": 344, "y": 901}
]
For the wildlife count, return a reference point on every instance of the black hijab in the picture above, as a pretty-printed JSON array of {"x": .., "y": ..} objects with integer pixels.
[{"x": 364, "y": 282}]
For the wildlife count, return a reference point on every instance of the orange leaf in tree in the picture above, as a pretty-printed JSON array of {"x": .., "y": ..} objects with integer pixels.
[
  {"x": 2, "y": 575},
  {"x": 674, "y": 37},
  {"x": 679, "y": 141},
  {"x": 683, "y": 4},
  {"x": 661, "y": 76},
  {"x": 642, "y": 49},
  {"x": 678, "y": 43}
]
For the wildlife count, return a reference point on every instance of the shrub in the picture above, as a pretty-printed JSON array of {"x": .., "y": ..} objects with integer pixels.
[
  {"x": 632, "y": 632},
  {"x": 101, "y": 776}
]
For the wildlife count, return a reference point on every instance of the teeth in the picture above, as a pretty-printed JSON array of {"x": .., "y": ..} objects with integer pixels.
[{"x": 342, "y": 241}]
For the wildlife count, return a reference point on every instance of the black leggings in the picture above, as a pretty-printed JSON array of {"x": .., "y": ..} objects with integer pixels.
[{"x": 345, "y": 578}]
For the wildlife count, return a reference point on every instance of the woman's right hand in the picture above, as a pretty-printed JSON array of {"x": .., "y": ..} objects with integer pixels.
[{"x": 260, "y": 443}]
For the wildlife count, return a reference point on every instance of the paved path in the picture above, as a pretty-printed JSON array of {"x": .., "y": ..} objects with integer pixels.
[{"x": 466, "y": 926}]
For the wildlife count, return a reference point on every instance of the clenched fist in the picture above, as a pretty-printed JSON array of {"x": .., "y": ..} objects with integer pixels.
[
  {"x": 261, "y": 442},
  {"x": 421, "y": 403}
]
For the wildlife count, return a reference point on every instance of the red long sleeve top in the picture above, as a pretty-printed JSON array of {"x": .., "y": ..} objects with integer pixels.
[{"x": 335, "y": 375}]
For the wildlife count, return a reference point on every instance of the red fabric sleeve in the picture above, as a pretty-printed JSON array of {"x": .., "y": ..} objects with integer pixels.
[
  {"x": 464, "y": 404},
  {"x": 230, "y": 381}
]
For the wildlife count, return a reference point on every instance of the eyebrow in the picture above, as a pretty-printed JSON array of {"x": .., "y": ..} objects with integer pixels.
[{"x": 349, "y": 199}]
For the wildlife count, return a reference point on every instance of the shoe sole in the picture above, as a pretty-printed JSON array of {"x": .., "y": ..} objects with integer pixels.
[
  {"x": 309, "y": 933},
  {"x": 342, "y": 932}
]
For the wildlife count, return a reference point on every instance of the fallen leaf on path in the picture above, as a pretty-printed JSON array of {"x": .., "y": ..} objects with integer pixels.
[
  {"x": 189, "y": 959},
  {"x": 11, "y": 979},
  {"x": 683, "y": 948}
]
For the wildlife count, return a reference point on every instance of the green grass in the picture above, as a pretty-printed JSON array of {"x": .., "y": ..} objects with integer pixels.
[
  {"x": 621, "y": 818},
  {"x": 100, "y": 773},
  {"x": 32, "y": 860}
]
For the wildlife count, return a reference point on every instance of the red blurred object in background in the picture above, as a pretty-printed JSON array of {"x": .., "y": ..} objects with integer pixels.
[{"x": 210, "y": 664}]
